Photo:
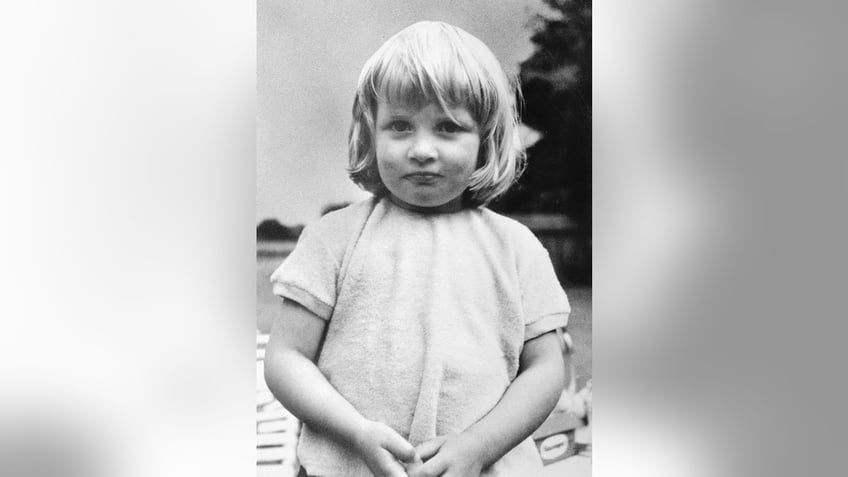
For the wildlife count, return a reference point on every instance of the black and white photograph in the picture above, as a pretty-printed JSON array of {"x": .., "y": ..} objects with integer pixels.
[{"x": 424, "y": 230}]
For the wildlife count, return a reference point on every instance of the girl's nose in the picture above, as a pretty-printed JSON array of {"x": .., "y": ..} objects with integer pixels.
[{"x": 423, "y": 149}]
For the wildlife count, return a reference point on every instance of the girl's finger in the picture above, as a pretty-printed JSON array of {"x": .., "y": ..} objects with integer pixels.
[
  {"x": 399, "y": 447},
  {"x": 389, "y": 467},
  {"x": 429, "y": 448},
  {"x": 435, "y": 466},
  {"x": 414, "y": 469}
]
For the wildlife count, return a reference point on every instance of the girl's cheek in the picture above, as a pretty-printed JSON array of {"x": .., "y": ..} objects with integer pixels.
[
  {"x": 388, "y": 168},
  {"x": 389, "y": 151}
]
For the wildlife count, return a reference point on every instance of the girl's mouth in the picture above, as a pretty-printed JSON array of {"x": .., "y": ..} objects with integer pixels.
[{"x": 422, "y": 177}]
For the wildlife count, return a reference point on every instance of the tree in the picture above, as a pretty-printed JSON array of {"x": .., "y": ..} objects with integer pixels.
[
  {"x": 557, "y": 85},
  {"x": 271, "y": 229}
]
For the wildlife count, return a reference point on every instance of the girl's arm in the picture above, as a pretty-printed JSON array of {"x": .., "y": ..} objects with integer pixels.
[
  {"x": 296, "y": 381},
  {"x": 524, "y": 406}
]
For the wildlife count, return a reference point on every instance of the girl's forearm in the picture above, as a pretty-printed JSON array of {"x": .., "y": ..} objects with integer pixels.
[
  {"x": 527, "y": 402},
  {"x": 305, "y": 392}
]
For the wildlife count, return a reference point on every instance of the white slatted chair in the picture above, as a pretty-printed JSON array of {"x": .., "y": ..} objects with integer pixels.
[{"x": 276, "y": 428}]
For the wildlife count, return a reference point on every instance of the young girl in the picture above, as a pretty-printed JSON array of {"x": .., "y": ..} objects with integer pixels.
[{"x": 417, "y": 333}]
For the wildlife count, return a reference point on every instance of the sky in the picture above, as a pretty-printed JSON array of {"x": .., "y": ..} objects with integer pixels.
[{"x": 309, "y": 55}]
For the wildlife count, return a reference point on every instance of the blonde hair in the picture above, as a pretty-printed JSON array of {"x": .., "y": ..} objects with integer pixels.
[{"x": 436, "y": 62}]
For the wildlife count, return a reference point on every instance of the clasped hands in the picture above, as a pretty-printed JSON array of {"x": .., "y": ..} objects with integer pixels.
[
  {"x": 388, "y": 454},
  {"x": 446, "y": 456}
]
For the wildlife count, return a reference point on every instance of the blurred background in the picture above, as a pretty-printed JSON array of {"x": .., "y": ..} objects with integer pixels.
[{"x": 129, "y": 206}]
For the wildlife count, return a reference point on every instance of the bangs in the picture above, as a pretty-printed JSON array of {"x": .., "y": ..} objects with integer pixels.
[{"x": 433, "y": 65}]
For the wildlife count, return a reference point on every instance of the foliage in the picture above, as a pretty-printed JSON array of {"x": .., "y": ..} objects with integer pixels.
[
  {"x": 271, "y": 229},
  {"x": 557, "y": 85}
]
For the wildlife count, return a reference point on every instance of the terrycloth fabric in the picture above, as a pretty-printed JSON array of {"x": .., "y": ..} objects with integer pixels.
[{"x": 427, "y": 317}]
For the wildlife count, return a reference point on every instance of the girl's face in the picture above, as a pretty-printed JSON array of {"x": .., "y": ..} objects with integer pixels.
[{"x": 425, "y": 158}]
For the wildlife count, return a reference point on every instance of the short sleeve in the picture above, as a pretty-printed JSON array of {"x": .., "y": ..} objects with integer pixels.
[
  {"x": 544, "y": 302},
  {"x": 308, "y": 275}
]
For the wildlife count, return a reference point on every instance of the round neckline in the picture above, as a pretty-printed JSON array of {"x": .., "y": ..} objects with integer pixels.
[
  {"x": 422, "y": 211},
  {"x": 426, "y": 215}
]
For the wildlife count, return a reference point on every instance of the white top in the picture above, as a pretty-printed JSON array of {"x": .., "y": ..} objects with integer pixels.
[{"x": 427, "y": 317}]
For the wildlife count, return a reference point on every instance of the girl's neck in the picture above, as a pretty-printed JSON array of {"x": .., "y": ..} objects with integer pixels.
[{"x": 450, "y": 207}]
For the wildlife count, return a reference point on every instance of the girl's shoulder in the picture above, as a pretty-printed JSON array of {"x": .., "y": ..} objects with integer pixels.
[
  {"x": 515, "y": 231},
  {"x": 344, "y": 217},
  {"x": 337, "y": 227}
]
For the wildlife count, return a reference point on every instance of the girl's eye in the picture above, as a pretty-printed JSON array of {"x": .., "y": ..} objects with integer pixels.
[
  {"x": 400, "y": 126},
  {"x": 450, "y": 127}
]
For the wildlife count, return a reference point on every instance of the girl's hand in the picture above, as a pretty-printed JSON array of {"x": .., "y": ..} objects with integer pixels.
[
  {"x": 447, "y": 456},
  {"x": 381, "y": 448}
]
